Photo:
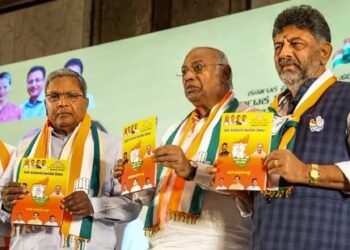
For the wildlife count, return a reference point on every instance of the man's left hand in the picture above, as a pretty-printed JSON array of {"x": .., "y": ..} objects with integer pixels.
[
  {"x": 172, "y": 156},
  {"x": 77, "y": 203},
  {"x": 287, "y": 165}
]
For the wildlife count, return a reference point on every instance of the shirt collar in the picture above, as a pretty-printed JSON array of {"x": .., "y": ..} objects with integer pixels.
[{"x": 41, "y": 97}]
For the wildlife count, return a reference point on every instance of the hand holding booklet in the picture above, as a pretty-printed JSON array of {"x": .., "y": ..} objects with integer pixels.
[
  {"x": 244, "y": 142},
  {"x": 46, "y": 183}
]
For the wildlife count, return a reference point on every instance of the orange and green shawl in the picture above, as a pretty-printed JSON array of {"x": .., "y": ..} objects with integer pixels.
[
  {"x": 185, "y": 202},
  {"x": 83, "y": 146}
]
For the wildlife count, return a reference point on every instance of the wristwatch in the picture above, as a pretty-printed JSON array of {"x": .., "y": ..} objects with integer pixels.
[
  {"x": 314, "y": 174},
  {"x": 193, "y": 171}
]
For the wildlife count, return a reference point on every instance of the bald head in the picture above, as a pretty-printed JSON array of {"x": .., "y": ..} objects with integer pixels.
[
  {"x": 206, "y": 77},
  {"x": 221, "y": 60}
]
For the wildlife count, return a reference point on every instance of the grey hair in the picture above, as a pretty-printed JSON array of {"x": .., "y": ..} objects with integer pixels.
[
  {"x": 222, "y": 60},
  {"x": 67, "y": 72}
]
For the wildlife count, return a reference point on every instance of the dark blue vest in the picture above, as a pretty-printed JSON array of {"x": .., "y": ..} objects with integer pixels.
[{"x": 312, "y": 218}]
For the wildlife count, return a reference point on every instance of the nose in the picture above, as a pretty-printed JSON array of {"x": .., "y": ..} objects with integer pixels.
[
  {"x": 189, "y": 75},
  {"x": 62, "y": 101},
  {"x": 286, "y": 51}
]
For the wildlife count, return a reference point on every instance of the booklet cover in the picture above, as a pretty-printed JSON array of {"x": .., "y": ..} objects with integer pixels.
[
  {"x": 139, "y": 141},
  {"x": 46, "y": 182},
  {"x": 244, "y": 141}
]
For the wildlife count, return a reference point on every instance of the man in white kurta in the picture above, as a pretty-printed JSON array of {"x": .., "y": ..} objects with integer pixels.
[
  {"x": 66, "y": 106},
  {"x": 171, "y": 221}
]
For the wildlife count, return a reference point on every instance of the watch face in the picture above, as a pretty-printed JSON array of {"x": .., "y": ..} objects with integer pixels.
[
  {"x": 194, "y": 164},
  {"x": 314, "y": 174}
]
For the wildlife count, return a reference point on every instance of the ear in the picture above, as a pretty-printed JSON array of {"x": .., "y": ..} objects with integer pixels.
[
  {"x": 45, "y": 106},
  {"x": 87, "y": 103},
  {"x": 326, "y": 52},
  {"x": 226, "y": 73}
]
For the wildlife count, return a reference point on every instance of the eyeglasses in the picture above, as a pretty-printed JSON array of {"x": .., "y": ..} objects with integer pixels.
[
  {"x": 196, "y": 68},
  {"x": 31, "y": 81},
  {"x": 71, "y": 97}
]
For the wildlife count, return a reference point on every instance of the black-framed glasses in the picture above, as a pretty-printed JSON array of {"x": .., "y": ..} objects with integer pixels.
[
  {"x": 54, "y": 97},
  {"x": 196, "y": 68}
]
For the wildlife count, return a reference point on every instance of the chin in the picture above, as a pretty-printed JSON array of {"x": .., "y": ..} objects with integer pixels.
[{"x": 192, "y": 97}]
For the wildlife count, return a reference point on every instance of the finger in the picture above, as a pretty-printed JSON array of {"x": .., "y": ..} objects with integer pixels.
[
  {"x": 117, "y": 174},
  {"x": 167, "y": 149},
  {"x": 78, "y": 206},
  {"x": 212, "y": 170},
  {"x": 75, "y": 207},
  {"x": 13, "y": 184},
  {"x": 73, "y": 196},
  {"x": 167, "y": 164},
  {"x": 12, "y": 197},
  {"x": 161, "y": 150},
  {"x": 273, "y": 163},
  {"x": 9, "y": 204},
  {"x": 168, "y": 158},
  {"x": 84, "y": 213},
  {"x": 13, "y": 190},
  {"x": 67, "y": 205},
  {"x": 118, "y": 168},
  {"x": 275, "y": 171},
  {"x": 273, "y": 155}
]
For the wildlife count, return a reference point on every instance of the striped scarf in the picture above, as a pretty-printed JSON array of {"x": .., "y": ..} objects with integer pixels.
[
  {"x": 285, "y": 137},
  {"x": 84, "y": 152},
  {"x": 5, "y": 156},
  {"x": 4, "y": 161},
  {"x": 186, "y": 198}
]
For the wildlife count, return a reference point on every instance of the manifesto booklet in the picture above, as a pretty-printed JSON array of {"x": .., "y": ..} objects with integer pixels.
[
  {"x": 46, "y": 182},
  {"x": 139, "y": 141},
  {"x": 244, "y": 142}
]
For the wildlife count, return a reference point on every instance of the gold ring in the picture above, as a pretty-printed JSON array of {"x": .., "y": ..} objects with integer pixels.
[{"x": 276, "y": 163}]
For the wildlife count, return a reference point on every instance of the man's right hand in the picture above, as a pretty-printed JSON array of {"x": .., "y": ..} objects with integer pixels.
[
  {"x": 12, "y": 192},
  {"x": 118, "y": 170}
]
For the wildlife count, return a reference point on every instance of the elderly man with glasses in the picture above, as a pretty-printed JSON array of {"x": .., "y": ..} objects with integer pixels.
[
  {"x": 187, "y": 212},
  {"x": 69, "y": 134}
]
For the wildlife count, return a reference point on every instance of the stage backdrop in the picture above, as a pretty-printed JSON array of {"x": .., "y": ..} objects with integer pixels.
[{"x": 135, "y": 78}]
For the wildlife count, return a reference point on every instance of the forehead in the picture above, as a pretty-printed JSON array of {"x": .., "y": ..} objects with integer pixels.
[
  {"x": 293, "y": 32},
  {"x": 64, "y": 84},
  {"x": 36, "y": 73},
  {"x": 201, "y": 54},
  {"x": 4, "y": 81},
  {"x": 75, "y": 67}
]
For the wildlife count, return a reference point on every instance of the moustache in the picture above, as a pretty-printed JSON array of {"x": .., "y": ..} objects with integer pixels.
[{"x": 287, "y": 61}]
